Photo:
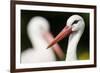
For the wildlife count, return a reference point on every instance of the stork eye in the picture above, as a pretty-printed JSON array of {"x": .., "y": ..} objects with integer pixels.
[{"x": 75, "y": 22}]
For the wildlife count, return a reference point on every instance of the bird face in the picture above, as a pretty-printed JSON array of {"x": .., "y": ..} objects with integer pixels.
[
  {"x": 38, "y": 25},
  {"x": 75, "y": 23}
]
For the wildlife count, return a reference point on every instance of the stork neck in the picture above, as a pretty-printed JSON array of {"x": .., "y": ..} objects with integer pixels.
[
  {"x": 72, "y": 46},
  {"x": 38, "y": 42}
]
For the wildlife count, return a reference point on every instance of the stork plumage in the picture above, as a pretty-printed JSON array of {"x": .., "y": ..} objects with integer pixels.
[
  {"x": 74, "y": 27},
  {"x": 39, "y": 35}
]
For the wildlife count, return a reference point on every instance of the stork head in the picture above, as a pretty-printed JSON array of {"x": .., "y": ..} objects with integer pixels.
[
  {"x": 75, "y": 23},
  {"x": 37, "y": 26}
]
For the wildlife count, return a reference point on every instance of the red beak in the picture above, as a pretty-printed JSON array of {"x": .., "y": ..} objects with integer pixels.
[
  {"x": 56, "y": 48},
  {"x": 65, "y": 32}
]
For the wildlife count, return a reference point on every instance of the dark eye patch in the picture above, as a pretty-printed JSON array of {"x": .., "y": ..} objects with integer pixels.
[{"x": 75, "y": 22}]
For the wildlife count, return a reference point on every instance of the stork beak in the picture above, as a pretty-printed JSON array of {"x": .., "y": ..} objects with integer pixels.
[{"x": 65, "y": 32}]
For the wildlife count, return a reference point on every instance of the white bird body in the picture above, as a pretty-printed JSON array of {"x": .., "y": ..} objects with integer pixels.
[
  {"x": 38, "y": 54},
  {"x": 36, "y": 27}
]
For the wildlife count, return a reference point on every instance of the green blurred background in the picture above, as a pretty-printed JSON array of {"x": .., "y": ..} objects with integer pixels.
[{"x": 57, "y": 22}]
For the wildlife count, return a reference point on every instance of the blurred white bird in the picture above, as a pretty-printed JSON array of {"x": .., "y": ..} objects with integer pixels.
[
  {"x": 39, "y": 35},
  {"x": 74, "y": 27}
]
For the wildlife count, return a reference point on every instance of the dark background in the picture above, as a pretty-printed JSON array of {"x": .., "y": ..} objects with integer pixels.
[{"x": 57, "y": 22}]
